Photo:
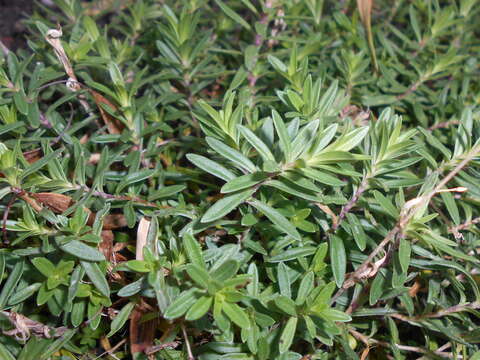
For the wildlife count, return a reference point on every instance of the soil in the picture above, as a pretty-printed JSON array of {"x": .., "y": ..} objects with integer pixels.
[{"x": 12, "y": 12}]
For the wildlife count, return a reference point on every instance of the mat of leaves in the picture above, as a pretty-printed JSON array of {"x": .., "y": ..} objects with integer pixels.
[{"x": 241, "y": 180}]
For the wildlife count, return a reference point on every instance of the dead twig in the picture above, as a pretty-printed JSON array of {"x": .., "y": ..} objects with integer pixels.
[
  {"x": 24, "y": 327},
  {"x": 351, "y": 203},
  {"x": 187, "y": 343},
  {"x": 155, "y": 348},
  {"x": 465, "y": 225},
  {"x": 443, "y": 125},
  {"x": 368, "y": 341},
  {"x": 366, "y": 270},
  {"x": 441, "y": 313}
]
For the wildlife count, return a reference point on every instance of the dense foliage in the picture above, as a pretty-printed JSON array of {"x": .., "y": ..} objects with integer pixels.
[{"x": 226, "y": 179}]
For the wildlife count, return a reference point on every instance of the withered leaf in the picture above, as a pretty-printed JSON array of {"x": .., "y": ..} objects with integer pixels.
[
  {"x": 58, "y": 203},
  {"x": 114, "y": 126}
]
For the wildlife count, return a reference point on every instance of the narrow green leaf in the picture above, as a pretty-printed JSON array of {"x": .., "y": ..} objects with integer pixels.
[
  {"x": 278, "y": 219},
  {"x": 277, "y": 64},
  {"x": 292, "y": 254},
  {"x": 223, "y": 206},
  {"x": 140, "y": 266},
  {"x": 91, "y": 28},
  {"x": 253, "y": 286},
  {"x": 9, "y": 127},
  {"x": 44, "y": 265},
  {"x": 225, "y": 271},
  {"x": 286, "y": 305},
  {"x": 386, "y": 204},
  {"x": 2, "y": 266},
  {"x": 198, "y": 274},
  {"x": 211, "y": 167},
  {"x": 121, "y": 318},
  {"x": 193, "y": 249},
  {"x": 321, "y": 176},
  {"x": 323, "y": 298},
  {"x": 324, "y": 138},
  {"x": 58, "y": 344},
  {"x": 338, "y": 259},
  {"x": 288, "y": 334},
  {"x": 11, "y": 283},
  {"x": 23, "y": 294},
  {"x": 452, "y": 208},
  {"x": 285, "y": 141},
  {"x": 283, "y": 280},
  {"x": 377, "y": 288},
  {"x": 232, "y": 14},
  {"x": 404, "y": 251},
  {"x": 82, "y": 251},
  {"x": 236, "y": 157},
  {"x": 135, "y": 177},
  {"x": 236, "y": 314},
  {"x": 306, "y": 285},
  {"x": 37, "y": 165},
  {"x": 97, "y": 277},
  {"x": 335, "y": 315},
  {"x": 304, "y": 139},
  {"x": 311, "y": 327},
  {"x": 132, "y": 288},
  {"x": 75, "y": 280},
  {"x": 258, "y": 144},
  {"x": 5, "y": 354},
  {"x": 166, "y": 191},
  {"x": 199, "y": 309},
  {"x": 243, "y": 182},
  {"x": 181, "y": 304},
  {"x": 293, "y": 188},
  {"x": 357, "y": 231},
  {"x": 351, "y": 139}
]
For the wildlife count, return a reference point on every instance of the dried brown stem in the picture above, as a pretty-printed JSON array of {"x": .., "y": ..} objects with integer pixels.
[
  {"x": 370, "y": 341},
  {"x": 187, "y": 342},
  {"x": 4, "y": 48},
  {"x": 410, "y": 90},
  {"x": 169, "y": 345},
  {"x": 441, "y": 313},
  {"x": 117, "y": 197},
  {"x": 408, "y": 212},
  {"x": 353, "y": 201},
  {"x": 465, "y": 225},
  {"x": 24, "y": 327},
  {"x": 5, "y": 218},
  {"x": 443, "y": 125}
]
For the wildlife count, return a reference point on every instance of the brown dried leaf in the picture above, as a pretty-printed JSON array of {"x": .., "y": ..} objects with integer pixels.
[
  {"x": 105, "y": 343},
  {"x": 114, "y": 126},
  {"x": 114, "y": 221},
  {"x": 53, "y": 38},
  {"x": 84, "y": 139},
  {"x": 58, "y": 203},
  {"x": 328, "y": 211},
  {"x": 365, "y": 353},
  {"x": 33, "y": 155},
  {"x": 365, "y": 10},
  {"x": 142, "y": 334},
  {"x": 30, "y": 201},
  {"x": 106, "y": 245},
  {"x": 142, "y": 233},
  {"x": 94, "y": 158},
  {"x": 412, "y": 292}
]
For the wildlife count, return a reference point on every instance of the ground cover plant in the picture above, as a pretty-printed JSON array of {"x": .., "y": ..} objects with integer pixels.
[{"x": 271, "y": 179}]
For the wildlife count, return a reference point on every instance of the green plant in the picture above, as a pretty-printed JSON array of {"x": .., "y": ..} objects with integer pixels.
[{"x": 241, "y": 180}]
